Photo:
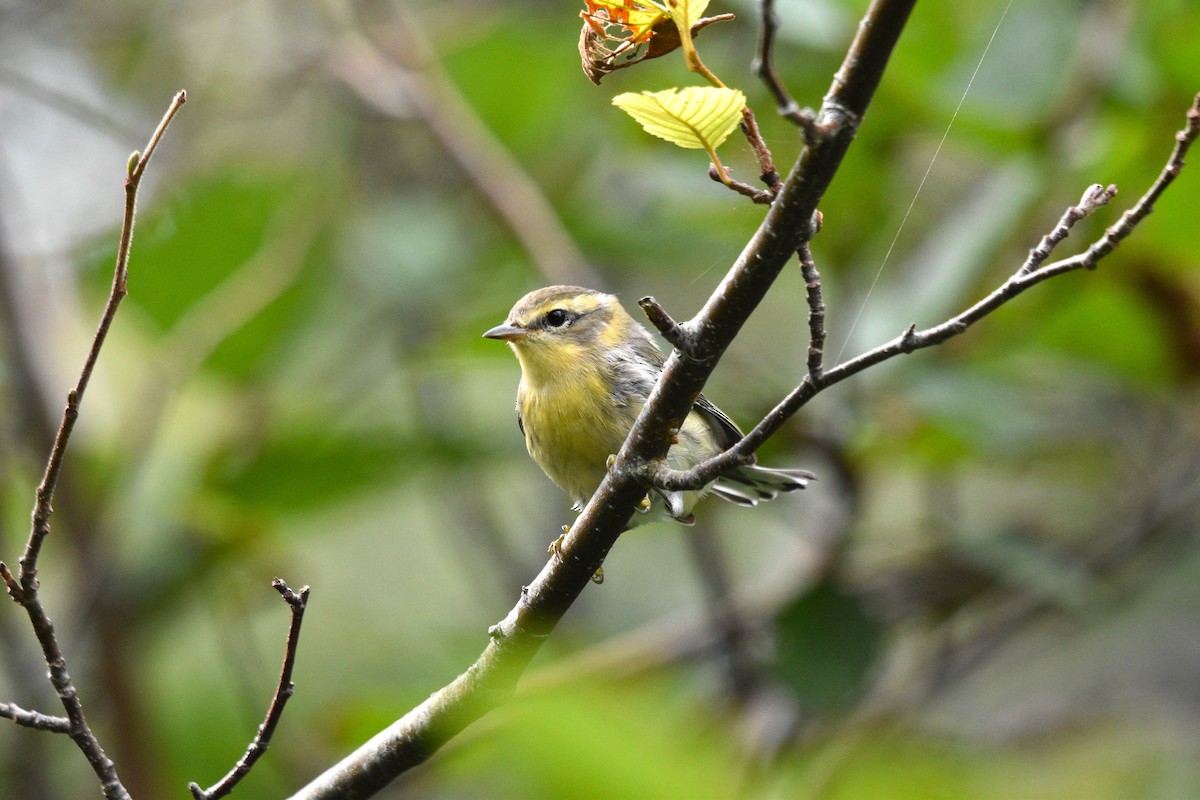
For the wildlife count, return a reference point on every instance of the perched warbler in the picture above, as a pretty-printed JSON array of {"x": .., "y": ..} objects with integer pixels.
[{"x": 587, "y": 368}]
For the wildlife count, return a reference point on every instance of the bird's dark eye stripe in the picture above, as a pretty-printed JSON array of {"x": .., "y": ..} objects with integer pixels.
[{"x": 557, "y": 317}]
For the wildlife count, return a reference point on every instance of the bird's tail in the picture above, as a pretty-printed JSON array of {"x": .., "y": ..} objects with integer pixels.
[{"x": 752, "y": 484}]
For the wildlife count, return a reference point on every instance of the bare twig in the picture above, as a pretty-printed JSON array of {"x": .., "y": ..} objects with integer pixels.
[
  {"x": 283, "y": 691},
  {"x": 45, "y": 491},
  {"x": 816, "y": 311},
  {"x": 23, "y": 587},
  {"x": 912, "y": 339},
  {"x": 671, "y": 330},
  {"x": 766, "y": 162},
  {"x": 1129, "y": 220},
  {"x": 1093, "y": 198},
  {"x": 761, "y": 196},
  {"x": 765, "y": 69},
  {"x": 34, "y": 719}
]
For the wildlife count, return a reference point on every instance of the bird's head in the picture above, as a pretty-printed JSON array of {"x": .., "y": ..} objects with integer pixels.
[{"x": 558, "y": 328}]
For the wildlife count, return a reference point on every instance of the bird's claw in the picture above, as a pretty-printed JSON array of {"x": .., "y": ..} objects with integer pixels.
[{"x": 555, "y": 548}]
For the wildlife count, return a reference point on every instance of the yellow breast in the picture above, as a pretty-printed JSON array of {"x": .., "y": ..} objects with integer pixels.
[{"x": 571, "y": 426}]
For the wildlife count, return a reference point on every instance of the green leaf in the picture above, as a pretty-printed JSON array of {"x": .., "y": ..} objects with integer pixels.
[{"x": 698, "y": 117}]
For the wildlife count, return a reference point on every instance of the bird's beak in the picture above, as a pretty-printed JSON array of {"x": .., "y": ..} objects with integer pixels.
[{"x": 509, "y": 333}]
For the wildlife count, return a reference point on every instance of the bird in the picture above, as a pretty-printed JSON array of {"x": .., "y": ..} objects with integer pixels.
[{"x": 587, "y": 368}]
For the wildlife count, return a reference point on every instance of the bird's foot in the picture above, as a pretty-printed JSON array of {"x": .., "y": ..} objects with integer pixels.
[{"x": 555, "y": 548}]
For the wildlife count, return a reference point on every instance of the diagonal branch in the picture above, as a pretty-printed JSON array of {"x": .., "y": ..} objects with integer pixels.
[
  {"x": 516, "y": 639},
  {"x": 23, "y": 587},
  {"x": 283, "y": 692}
]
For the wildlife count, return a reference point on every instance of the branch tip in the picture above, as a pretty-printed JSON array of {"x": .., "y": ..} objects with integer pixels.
[
  {"x": 284, "y": 690},
  {"x": 671, "y": 330},
  {"x": 1095, "y": 196},
  {"x": 297, "y": 600},
  {"x": 763, "y": 66},
  {"x": 10, "y": 582}
]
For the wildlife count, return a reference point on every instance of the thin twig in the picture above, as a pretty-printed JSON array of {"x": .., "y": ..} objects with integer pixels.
[
  {"x": 34, "y": 719},
  {"x": 816, "y": 311},
  {"x": 283, "y": 691},
  {"x": 671, "y": 330},
  {"x": 1093, "y": 198},
  {"x": 1129, "y": 220},
  {"x": 911, "y": 339},
  {"x": 45, "y": 491},
  {"x": 23, "y": 588},
  {"x": 761, "y": 196},
  {"x": 766, "y": 162},
  {"x": 764, "y": 68}
]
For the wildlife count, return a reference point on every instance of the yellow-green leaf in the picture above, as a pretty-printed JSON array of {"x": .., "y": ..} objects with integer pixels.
[
  {"x": 687, "y": 12},
  {"x": 698, "y": 117}
]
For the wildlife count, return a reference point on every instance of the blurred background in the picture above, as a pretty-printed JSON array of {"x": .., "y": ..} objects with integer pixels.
[{"x": 992, "y": 591}]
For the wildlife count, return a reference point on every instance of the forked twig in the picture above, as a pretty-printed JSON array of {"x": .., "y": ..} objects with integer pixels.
[
  {"x": 283, "y": 692},
  {"x": 23, "y": 587},
  {"x": 911, "y": 339}
]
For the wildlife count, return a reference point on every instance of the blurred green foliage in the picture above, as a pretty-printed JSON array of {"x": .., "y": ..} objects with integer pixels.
[{"x": 989, "y": 592}]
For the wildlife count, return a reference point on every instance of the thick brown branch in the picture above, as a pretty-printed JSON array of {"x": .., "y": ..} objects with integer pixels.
[
  {"x": 515, "y": 640},
  {"x": 283, "y": 692}
]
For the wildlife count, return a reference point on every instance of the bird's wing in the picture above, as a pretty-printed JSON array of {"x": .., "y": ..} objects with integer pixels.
[{"x": 724, "y": 429}]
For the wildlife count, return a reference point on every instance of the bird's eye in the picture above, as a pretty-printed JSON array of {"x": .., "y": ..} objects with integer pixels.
[{"x": 556, "y": 318}]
